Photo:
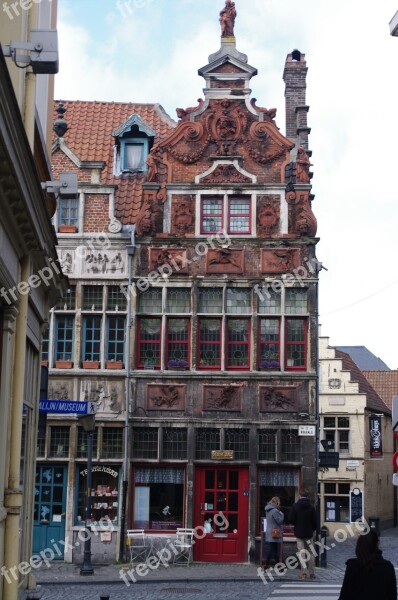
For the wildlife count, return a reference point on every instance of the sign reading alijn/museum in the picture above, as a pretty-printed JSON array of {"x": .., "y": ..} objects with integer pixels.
[{"x": 67, "y": 407}]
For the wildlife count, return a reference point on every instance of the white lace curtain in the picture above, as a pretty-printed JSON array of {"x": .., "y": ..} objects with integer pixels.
[{"x": 133, "y": 156}]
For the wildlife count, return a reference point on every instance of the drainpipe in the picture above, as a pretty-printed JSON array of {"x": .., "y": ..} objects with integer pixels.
[
  {"x": 317, "y": 418},
  {"x": 13, "y": 494},
  {"x": 130, "y": 254}
]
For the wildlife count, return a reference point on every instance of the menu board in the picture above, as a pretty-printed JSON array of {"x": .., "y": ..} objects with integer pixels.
[{"x": 356, "y": 505}]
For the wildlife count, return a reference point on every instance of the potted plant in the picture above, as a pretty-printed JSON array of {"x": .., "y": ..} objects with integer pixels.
[
  {"x": 67, "y": 228},
  {"x": 177, "y": 364},
  {"x": 63, "y": 364},
  {"x": 91, "y": 364},
  {"x": 114, "y": 364},
  {"x": 270, "y": 365}
]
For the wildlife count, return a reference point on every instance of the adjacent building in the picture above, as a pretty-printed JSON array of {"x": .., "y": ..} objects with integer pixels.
[
  {"x": 356, "y": 423},
  {"x": 30, "y": 282},
  {"x": 192, "y": 301}
]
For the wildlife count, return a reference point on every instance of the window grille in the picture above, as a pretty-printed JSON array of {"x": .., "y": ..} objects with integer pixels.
[
  {"x": 206, "y": 441},
  {"x": 238, "y": 441},
  {"x": 290, "y": 447},
  {"x": 145, "y": 443},
  {"x": 92, "y": 297},
  {"x": 116, "y": 299},
  {"x": 175, "y": 443},
  {"x": 267, "y": 444}
]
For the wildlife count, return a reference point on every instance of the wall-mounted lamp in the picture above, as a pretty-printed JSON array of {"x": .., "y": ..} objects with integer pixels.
[
  {"x": 65, "y": 187},
  {"x": 43, "y": 49}
]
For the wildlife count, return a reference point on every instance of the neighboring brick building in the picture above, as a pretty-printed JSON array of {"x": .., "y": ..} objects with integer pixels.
[
  {"x": 224, "y": 303},
  {"x": 350, "y": 409}
]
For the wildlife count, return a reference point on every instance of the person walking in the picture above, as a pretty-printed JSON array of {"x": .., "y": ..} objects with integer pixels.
[
  {"x": 302, "y": 515},
  {"x": 369, "y": 575},
  {"x": 273, "y": 534}
]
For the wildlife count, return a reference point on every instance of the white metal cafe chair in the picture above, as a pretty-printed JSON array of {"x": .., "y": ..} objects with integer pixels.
[
  {"x": 183, "y": 543},
  {"x": 138, "y": 545}
]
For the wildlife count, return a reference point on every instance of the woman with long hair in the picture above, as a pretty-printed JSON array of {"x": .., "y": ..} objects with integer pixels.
[{"x": 369, "y": 575}]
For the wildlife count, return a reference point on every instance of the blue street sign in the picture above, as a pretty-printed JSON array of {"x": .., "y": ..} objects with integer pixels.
[{"x": 67, "y": 407}]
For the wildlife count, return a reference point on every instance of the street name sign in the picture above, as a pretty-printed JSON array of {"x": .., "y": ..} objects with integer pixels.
[
  {"x": 67, "y": 407},
  {"x": 307, "y": 430}
]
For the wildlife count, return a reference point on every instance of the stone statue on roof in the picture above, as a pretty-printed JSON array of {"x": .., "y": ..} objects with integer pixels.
[{"x": 227, "y": 19}]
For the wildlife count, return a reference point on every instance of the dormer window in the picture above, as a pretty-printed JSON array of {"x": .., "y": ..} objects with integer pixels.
[{"x": 134, "y": 139}]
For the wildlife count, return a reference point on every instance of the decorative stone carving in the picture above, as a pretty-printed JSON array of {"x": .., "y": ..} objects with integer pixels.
[
  {"x": 60, "y": 390},
  {"x": 266, "y": 143},
  {"x": 153, "y": 161},
  {"x": 227, "y": 19},
  {"x": 225, "y": 260},
  {"x": 165, "y": 397},
  {"x": 188, "y": 143},
  {"x": 226, "y": 125},
  {"x": 182, "y": 215},
  {"x": 279, "y": 260},
  {"x": 101, "y": 262},
  {"x": 226, "y": 174},
  {"x": 114, "y": 226},
  {"x": 175, "y": 259},
  {"x": 268, "y": 215},
  {"x": 269, "y": 113},
  {"x": 278, "y": 399},
  {"x": 222, "y": 397},
  {"x": 306, "y": 223},
  {"x": 183, "y": 114},
  {"x": 66, "y": 261},
  {"x": 302, "y": 166},
  {"x": 106, "y": 395}
]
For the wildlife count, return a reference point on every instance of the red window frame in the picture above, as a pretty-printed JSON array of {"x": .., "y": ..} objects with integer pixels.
[
  {"x": 215, "y": 343},
  {"x": 245, "y": 215},
  {"x": 186, "y": 342},
  {"x": 263, "y": 344},
  {"x": 204, "y": 215},
  {"x": 229, "y": 343},
  {"x": 302, "y": 344},
  {"x": 140, "y": 343}
]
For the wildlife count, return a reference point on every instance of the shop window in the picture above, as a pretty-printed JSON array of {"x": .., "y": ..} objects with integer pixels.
[
  {"x": 145, "y": 442},
  {"x": 283, "y": 483},
  {"x": 238, "y": 441},
  {"x": 158, "y": 498},
  {"x": 337, "y": 502},
  {"x": 59, "y": 442},
  {"x": 337, "y": 432},
  {"x": 112, "y": 442},
  {"x": 206, "y": 440},
  {"x": 175, "y": 443},
  {"x": 81, "y": 450},
  {"x": 104, "y": 496},
  {"x": 267, "y": 444}
]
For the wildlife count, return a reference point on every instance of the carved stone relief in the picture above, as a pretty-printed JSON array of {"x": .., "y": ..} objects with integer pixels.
[
  {"x": 222, "y": 397},
  {"x": 60, "y": 390},
  {"x": 279, "y": 260},
  {"x": 278, "y": 399},
  {"x": 109, "y": 262},
  {"x": 226, "y": 173},
  {"x": 165, "y": 397},
  {"x": 107, "y": 395},
  {"x": 225, "y": 260},
  {"x": 182, "y": 215},
  {"x": 168, "y": 260},
  {"x": 268, "y": 215}
]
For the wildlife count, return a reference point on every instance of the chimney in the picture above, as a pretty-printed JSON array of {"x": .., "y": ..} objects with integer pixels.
[{"x": 294, "y": 76}]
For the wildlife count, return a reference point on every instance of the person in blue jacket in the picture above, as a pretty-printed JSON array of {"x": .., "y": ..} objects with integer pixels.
[{"x": 272, "y": 545}]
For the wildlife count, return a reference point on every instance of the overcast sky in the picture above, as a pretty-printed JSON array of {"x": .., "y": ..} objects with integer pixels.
[{"x": 150, "y": 51}]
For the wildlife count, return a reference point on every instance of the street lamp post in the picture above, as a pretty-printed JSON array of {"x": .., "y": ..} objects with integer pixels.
[{"x": 88, "y": 424}]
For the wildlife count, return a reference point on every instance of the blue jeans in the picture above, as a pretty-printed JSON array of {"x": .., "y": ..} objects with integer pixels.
[{"x": 272, "y": 553}]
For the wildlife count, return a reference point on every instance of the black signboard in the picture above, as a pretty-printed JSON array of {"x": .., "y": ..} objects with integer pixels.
[
  {"x": 328, "y": 460},
  {"x": 356, "y": 508},
  {"x": 376, "y": 444}
]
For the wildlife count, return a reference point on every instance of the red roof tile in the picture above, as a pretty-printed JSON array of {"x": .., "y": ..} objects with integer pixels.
[
  {"x": 90, "y": 138},
  {"x": 385, "y": 383},
  {"x": 373, "y": 400}
]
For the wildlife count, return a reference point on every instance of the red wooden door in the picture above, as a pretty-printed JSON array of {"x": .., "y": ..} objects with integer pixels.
[{"x": 221, "y": 494}]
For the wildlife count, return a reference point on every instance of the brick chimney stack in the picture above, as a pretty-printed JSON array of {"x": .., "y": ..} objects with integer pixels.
[{"x": 294, "y": 76}]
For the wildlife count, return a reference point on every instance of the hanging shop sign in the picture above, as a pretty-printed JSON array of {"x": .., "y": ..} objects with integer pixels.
[{"x": 376, "y": 443}]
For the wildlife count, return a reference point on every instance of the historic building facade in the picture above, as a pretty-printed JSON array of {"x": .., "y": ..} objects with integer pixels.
[
  {"x": 220, "y": 369},
  {"x": 357, "y": 424},
  {"x": 30, "y": 282}
]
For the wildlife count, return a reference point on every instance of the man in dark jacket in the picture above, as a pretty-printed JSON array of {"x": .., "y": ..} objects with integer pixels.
[{"x": 303, "y": 517}]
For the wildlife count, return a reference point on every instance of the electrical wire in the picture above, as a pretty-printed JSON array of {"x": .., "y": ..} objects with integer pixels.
[{"x": 331, "y": 312}]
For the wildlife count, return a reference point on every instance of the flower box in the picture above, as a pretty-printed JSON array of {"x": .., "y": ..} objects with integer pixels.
[
  {"x": 44, "y": 363},
  {"x": 270, "y": 365},
  {"x": 177, "y": 365},
  {"x": 63, "y": 364},
  {"x": 67, "y": 228},
  {"x": 91, "y": 364},
  {"x": 114, "y": 364}
]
